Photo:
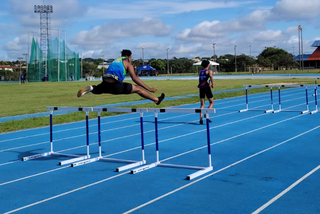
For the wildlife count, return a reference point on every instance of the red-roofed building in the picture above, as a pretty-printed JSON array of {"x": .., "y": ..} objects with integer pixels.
[{"x": 313, "y": 61}]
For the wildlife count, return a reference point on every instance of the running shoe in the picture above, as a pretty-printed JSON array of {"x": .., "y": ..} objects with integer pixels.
[
  {"x": 201, "y": 121},
  {"x": 84, "y": 91},
  {"x": 160, "y": 98}
]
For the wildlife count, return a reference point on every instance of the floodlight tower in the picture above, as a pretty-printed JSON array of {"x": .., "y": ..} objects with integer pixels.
[{"x": 44, "y": 11}]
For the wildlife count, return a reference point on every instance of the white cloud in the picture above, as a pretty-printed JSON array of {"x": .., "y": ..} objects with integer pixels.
[
  {"x": 296, "y": 10},
  {"x": 118, "y": 30},
  {"x": 140, "y": 9}
]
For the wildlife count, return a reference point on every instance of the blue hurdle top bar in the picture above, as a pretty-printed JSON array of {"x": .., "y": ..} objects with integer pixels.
[
  {"x": 183, "y": 110},
  {"x": 120, "y": 109},
  {"x": 62, "y": 108},
  {"x": 270, "y": 86}
]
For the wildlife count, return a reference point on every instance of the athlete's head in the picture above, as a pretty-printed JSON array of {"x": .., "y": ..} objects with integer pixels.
[
  {"x": 126, "y": 53},
  {"x": 205, "y": 63}
]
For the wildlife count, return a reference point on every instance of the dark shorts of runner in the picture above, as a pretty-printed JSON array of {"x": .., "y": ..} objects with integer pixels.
[
  {"x": 205, "y": 92},
  {"x": 112, "y": 88}
]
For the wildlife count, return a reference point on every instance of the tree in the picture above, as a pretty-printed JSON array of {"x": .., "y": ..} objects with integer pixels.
[
  {"x": 275, "y": 57},
  {"x": 158, "y": 64}
]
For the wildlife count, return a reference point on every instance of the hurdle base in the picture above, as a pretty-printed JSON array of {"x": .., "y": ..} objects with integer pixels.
[
  {"x": 269, "y": 111},
  {"x": 119, "y": 169},
  {"x": 266, "y": 111},
  {"x": 143, "y": 168},
  {"x": 313, "y": 112},
  {"x": 202, "y": 170},
  {"x": 243, "y": 110},
  {"x": 36, "y": 156},
  {"x": 79, "y": 158},
  {"x": 304, "y": 112},
  {"x": 46, "y": 154},
  {"x": 199, "y": 173}
]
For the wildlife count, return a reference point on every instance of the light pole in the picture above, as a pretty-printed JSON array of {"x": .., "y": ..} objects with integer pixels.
[
  {"x": 168, "y": 60},
  {"x": 102, "y": 67},
  {"x": 214, "y": 51},
  {"x": 26, "y": 55},
  {"x": 235, "y": 57},
  {"x": 301, "y": 61},
  {"x": 142, "y": 55},
  {"x": 20, "y": 58}
]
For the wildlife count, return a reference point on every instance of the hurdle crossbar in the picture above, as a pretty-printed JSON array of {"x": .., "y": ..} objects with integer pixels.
[
  {"x": 201, "y": 170},
  {"x": 247, "y": 98},
  {"x": 51, "y": 152},
  {"x": 133, "y": 163}
]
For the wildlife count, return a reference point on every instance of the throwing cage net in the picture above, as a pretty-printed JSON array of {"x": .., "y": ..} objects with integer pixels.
[{"x": 61, "y": 63}]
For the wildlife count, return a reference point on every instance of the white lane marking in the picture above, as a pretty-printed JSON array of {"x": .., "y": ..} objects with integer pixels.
[
  {"x": 220, "y": 170},
  {"x": 286, "y": 190},
  {"x": 66, "y": 193}
]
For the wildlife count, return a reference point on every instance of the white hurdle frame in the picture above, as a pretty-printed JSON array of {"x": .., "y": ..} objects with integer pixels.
[
  {"x": 51, "y": 152},
  {"x": 201, "y": 170},
  {"x": 134, "y": 163},
  {"x": 247, "y": 98}
]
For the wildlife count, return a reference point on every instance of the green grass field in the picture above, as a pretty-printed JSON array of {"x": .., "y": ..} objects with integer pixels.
[{"x": 19, "y": 99}]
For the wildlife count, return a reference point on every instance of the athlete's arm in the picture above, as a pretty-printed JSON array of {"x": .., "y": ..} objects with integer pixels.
[
  {"x": 211, "y": 78},
  {"x": 135, "y": 78}
]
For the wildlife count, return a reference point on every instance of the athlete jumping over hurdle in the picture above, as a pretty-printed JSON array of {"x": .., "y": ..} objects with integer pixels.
[
  {"x": 204, "y": 86},
  {"x": 112, "y": 82}
]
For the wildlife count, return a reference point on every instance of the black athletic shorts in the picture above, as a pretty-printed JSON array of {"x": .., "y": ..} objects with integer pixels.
[
  {"x": 205, "y": 92},
  {"x": 112, "y": 88}
]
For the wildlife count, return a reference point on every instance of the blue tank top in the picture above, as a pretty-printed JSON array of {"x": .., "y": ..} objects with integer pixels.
[
  {"x": 116, "y": 70},
  {"x": 203, "y": 79}
]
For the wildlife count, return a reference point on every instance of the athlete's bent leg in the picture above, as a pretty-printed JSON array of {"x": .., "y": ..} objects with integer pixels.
[{"x": 146, "y": 95}]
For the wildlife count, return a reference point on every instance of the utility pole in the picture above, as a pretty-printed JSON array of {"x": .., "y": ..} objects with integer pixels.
[
  {"x": 235, "y": 57},
  {"x": 20, "y": 58},
  {"x": 214, "y": 51},
  {"x": 168, "y": 60}
]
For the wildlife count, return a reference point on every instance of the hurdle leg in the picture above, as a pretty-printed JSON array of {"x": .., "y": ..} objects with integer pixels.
[
  {"x": 209, "y": 168},
  {"x": 143, "y": 161},
  {"x": 315, "y": 100},
  {"x": 271, "y": 98},
  {"x": 70, "y": 161},
  {"x": 149, "y": 166},
  {"x": 247, "y": 102},
  {"x": 307, "y": 103},
  {"x": 279, "y": 98}
]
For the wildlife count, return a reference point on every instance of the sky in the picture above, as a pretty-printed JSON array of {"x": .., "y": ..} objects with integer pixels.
[{"x": 157, "y": 29}]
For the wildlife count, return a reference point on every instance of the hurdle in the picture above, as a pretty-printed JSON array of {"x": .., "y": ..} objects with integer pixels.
[
  {"x": 292, "y": 86},
  {"x": 201, "y": 170},
  {"x": 247, "y": 98},
  {"x": 51, "y": 152},
  {"x": 133, "y": 163}
]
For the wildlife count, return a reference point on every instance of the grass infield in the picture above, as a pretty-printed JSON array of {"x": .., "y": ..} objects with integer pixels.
[{"x": 28, "y": 98}]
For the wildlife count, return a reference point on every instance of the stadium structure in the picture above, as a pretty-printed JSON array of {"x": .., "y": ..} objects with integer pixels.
[{"x": 311, "y": 60}]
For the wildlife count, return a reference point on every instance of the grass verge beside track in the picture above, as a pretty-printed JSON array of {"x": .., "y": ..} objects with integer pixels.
[{"x": 34, "y": 97}]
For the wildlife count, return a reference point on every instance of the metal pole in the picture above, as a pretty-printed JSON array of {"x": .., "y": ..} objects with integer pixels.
[
  {"x": 168, "y": 60},
  {"x": 20, "y": 69},
  {"x": 235, "y": 57},
  {"x": 142, "y": 55}
]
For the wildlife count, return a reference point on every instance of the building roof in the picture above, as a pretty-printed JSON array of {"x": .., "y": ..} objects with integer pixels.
[
  {"x": 315, "y": 55},
  {"x": 316, "y": 43}
]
